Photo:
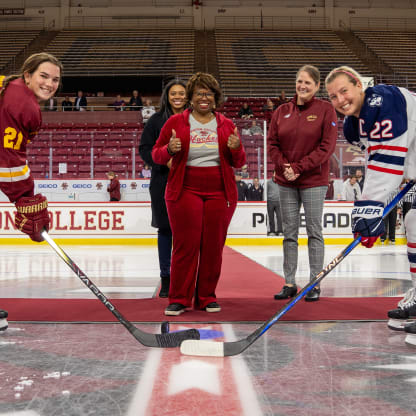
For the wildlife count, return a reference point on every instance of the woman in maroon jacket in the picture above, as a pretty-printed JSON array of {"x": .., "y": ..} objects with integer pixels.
[
  {"x": 201, "y": 193},
  {"x": 301, "y": 139}
]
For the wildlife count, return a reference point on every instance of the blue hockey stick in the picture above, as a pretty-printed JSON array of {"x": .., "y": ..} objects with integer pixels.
[{"x": 223, "y": 349}]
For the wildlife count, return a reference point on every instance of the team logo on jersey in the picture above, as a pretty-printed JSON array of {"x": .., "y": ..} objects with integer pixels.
[
  {"x": 287, "y": 115},
  {"x": 312, "y": 117},
  {"x": 375, "y": 100}
]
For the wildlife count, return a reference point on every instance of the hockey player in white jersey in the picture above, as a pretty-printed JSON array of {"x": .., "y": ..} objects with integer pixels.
[{"x": 382, "y": 120}]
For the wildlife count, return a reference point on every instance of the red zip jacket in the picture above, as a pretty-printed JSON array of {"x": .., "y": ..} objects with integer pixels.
[
  {"x": 304, "y": 138},
  {"x": 228, "y": 158}
]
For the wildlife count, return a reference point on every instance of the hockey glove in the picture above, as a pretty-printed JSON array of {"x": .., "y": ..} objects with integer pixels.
[
  {"x": 32, "y": 216},
  {"x": 367, "y": 221}
]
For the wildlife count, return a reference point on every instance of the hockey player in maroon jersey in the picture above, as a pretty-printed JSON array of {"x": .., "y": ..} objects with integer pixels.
[{"x": 20, "y": 120}]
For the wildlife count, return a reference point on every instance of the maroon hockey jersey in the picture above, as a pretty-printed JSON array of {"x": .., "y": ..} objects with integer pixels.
[{"x": 20, "y": 120}]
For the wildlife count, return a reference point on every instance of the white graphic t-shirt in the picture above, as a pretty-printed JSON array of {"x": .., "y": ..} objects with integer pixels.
[{"x": 203, "y": 146}]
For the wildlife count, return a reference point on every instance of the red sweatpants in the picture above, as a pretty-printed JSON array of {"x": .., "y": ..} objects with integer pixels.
[{"x": 199, "y": 220}]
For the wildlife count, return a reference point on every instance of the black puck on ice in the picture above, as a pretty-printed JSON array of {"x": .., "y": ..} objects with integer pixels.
[{"x": 164, "y": 329}]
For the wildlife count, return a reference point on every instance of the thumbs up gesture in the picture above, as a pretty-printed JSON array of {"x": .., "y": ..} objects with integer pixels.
[
  {"x": 234, "y": 140},
  {"x": 174, "y": 145}
]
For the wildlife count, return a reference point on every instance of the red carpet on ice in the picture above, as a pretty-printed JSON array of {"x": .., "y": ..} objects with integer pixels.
[{"x": 245, "y": 293}]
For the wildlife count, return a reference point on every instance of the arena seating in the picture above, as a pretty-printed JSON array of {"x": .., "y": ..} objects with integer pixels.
[
  {"x": 396, "y": 49},
  {"x": 12, "y": 43},
  {"x": 87, "y": 152},
  {"x": 128, "y": 52},
  {"x": 262, "y": 63}
]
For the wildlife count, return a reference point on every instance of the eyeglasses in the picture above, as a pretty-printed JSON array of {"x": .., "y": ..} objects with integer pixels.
[{"x": 204, "y": 94}]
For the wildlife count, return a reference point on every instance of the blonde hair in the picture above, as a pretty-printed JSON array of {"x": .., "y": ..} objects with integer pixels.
[{"x": 353, "y": 76}]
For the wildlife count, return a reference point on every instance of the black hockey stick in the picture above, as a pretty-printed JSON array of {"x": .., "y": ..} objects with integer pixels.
[
  {"x": 165, "y": 340},
  {"x": 224, "y": 349}
]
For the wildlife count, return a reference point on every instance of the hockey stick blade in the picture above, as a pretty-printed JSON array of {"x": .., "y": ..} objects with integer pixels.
[
  {"x": 166, "y": 340},
  {"x": 225, "y": 349}
]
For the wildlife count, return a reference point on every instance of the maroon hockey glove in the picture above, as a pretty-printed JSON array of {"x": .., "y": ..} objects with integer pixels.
[{"x": 32, "y": 216}]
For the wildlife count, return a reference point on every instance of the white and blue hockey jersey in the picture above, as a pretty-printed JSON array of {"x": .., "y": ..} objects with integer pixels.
[{"x": 387, "y": 129}]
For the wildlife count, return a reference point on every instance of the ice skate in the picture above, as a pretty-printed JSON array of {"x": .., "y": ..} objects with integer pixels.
[
  {"x": 405, "y": 313},
  {"x": 3, "y": 320},
  {"x": 410, "y": 330}
]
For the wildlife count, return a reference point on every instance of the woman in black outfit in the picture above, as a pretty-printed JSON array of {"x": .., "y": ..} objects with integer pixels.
[{"x": 173, "y": 101}]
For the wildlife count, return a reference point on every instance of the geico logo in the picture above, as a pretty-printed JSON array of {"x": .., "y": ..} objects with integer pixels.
[
  {"x": 82, "y": 185},
  {"x": 145, "y": 185},
  {"x": 48, "y": 185}
]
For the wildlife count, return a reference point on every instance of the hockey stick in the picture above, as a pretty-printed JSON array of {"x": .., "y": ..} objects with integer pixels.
[
  {"x": 224, "y": 349},
  {"x": 165, "y": 340}
]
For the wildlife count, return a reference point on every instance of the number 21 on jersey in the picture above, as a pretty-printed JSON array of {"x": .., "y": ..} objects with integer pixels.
[{"x": 12, "y": 138}]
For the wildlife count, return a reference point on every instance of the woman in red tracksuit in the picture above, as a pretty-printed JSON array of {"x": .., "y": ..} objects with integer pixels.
[{"x": 201, "y": 193}]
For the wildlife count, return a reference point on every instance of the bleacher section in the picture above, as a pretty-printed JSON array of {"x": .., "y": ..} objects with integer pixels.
[
  {"x": 88, "y": 150},
  {"x": 262, "y": 63},
  {"x": 396, "y": 49},
  {"x": 129, "y": 52},
  {"x": 12, "y": 43}
]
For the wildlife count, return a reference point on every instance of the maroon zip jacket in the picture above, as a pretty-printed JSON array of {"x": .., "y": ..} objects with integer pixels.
[
  {"x": 228, "y": 158},
  {"x": 304, "y": 138}
]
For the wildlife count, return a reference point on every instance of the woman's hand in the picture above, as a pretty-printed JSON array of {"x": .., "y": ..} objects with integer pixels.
[
  {"x": 289, "y": 174},
  {"x": 174, "y": 145},
  {"x": 233, "y": 140}
]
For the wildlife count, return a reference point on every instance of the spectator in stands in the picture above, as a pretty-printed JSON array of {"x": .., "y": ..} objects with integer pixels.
[
  {"x": 282, "y": 99},
  {"x": 331, "y": 191},
  {"x": 201, "y": 194},
  {"x": 114, "y": 187},
  {"x": 67, "y": 104},
  {"x": 20, "y": 121},
  {"x": 269, "y": 106},
  {"x": 242, "y": 187},
  {"x": 351, "y": 190},
  {"x": 360, "y": 178},
  {"x": 255, "y": 191},
  {"x": 244, "y": 172},
  {"x": 51, "y": 104},
  {"x": 148, "y": 110},
  {"x": 302, "y": 137},
  {"x": 172, "y": 101},
  {"x": 273, "y": 207},
  {"x": 255, "y": 129},
  {"x": 80, "y": 102},
  {"x": 119, "y": 103},
  {"x": 245, "y": 112},
  {"x": 406, "y": 203},
  {"x": 146, "y": 171},
  {"x": 135, "y": 103}
]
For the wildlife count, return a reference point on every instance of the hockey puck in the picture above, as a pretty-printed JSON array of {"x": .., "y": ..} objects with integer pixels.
[{"x": 164, "y": 329}]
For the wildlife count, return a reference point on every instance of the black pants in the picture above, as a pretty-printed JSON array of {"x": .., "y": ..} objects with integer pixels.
[
  {"x": 390, "y": 225},
  {"x": 273, "y": 209}
]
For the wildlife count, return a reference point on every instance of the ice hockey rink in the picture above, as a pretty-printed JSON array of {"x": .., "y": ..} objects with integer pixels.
[{"x": 295, "y": 368}]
